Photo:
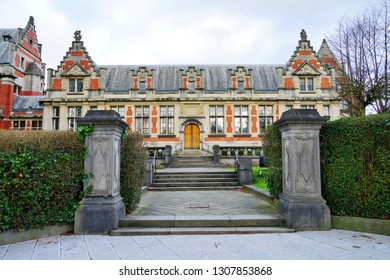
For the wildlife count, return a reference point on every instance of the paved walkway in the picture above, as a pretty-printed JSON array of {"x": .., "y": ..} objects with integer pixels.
[{"x": 328, "y": 245}]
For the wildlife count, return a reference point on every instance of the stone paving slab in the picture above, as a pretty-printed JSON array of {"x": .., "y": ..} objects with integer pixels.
[
  {"x": 177, "y": 203},
  {"x": 324, "y": 245}
]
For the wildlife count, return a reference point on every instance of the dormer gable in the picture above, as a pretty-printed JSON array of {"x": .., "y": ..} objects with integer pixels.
[
  {"x": 306, "y": 69},
  {"x": 29, "y": 39},
  {"x": 76, "y": 70}
]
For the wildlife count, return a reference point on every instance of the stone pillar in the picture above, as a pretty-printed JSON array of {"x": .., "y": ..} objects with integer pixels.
[
  {"x": 301, "y": 202},
  {"x": 167, "y": 155},
  {"x": 245, "y": 175},
  {"x": 216, "y": 154},
  {"x": 148, "y": 180},
  {"x": 100, "y": 210}
]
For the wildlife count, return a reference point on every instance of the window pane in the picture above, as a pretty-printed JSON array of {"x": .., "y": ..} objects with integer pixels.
[
  {"x": 262, "y": 124},
  {"x": 56, "y": 112},
  {"x": 302, "y": 84},
  {"x": 213, "y": 125},
  {"x": 71, "y": 111},
  {"x": 220, "y": 110},
  {"x": 237, "y": 111},
  {"x": 270, "y": 110},
  {"x": 261, "y": 110},
  {"x": 244, "y": 111},
  {"x": 310, "y": 85},
  {"x": 142, "y": 86},
  {"x": 245, "y": 128},
  {"x": 191, "y": 85},
  {"x": 163, "y": 125},
  {"x": 146, "y": 111},
  {"x": 138, "y": 127},
  {"x": 72, "y": 85},
  {"x": 163, "y": 111},
  {"x": 171, "y": 111},
  {"x": 240, "y": 85},
  {"x": 79, "y": 85},
  {"x": 212, "y": 111},
  {"x": 170, "y": 126},
  {"x": 237, "y": 125},
  {"x": 121, "y": 111},
  {"x": 138, "y": 111},
  {"x": 146, "y": 126},
  {"x": 220, "y": 125},
  {"x": 78, "y": 111}
]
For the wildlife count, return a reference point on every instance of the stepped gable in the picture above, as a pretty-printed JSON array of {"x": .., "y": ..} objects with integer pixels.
[{"x": 77, "y": 63}]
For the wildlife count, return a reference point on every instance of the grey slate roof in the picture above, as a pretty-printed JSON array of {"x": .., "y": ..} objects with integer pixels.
[
  {"x": 33, "y": 69},
  {"x": 27, "y": 103},
  {"x": 167, "y": 77},
  {"x": 13, "y": 32}
]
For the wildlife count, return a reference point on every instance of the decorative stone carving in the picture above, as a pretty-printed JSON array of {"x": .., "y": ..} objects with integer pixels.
[{"x": 77, "y": 36}]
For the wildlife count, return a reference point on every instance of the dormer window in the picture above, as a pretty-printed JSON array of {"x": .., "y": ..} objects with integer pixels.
[
  {"x": 7, "y": 38},
  {"x": 142, "y": 86},
  {"x": 191, "y": 85},
  {"x": 75, "y": 85},
  {"x": 306, "y": 84},
  {"x": 240, "y": 85}
]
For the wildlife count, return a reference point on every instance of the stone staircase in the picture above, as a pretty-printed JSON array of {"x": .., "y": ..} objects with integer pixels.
[
  {"x": 189, "y": 179},
  {"x": 195, "y": 171}
]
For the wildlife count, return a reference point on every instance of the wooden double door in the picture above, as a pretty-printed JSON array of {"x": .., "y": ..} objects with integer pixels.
[{"x": 191, "y": 136}]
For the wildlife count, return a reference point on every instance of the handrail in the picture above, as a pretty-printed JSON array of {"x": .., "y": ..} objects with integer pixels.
[
  {"x": 207, "y": 149},
  {"x": 236, "y": 162},
  {"x": 176, "y": 152},
  {"x": 154, "y": 162}
]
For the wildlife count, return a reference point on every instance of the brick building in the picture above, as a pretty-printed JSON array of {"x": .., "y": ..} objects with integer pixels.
[
  {"x": 191, "y": 106},
  {"x": 21, "y": 78}
]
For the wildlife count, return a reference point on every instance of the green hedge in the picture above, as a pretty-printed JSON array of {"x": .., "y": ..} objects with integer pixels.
[
  {"x": 42, "y": 174},
  {"x": 273, "y": 155},
  {"x": 133, "y": 158},
  {"x": 355, "y": 166},
  {"x": 41, "y": 178}
]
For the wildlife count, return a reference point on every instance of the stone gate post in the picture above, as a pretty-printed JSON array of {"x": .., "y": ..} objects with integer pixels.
[
  {"x": 301, "y": 202},
  {"x": 99, "y": 211}
]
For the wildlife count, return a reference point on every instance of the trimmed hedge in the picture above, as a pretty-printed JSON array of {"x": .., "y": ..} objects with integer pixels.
[
  {"x": 41, "y": 178},
  {"x": 273, "y": 155},
  {"x": 133, "y": 158},
  {"x": 42, "y": 174},
  {"x": 355, "y": 166}
]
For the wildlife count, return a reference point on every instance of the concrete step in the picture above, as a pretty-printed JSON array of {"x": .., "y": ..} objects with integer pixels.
[
  {"x": 202, "y": 221},
  {"x": 195, "y": 188},
  {"x": 202, "y": 230},
  {"x": 197, "y": 184},
  {"x": 185, "y": 180},
  {"x": 212, "y": 224}
]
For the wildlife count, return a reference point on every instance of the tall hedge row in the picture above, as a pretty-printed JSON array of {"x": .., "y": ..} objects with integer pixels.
[
  {"x": 42, "y": 174},
  {"x": 41, "y": 178},
  {"x": 133, "y": 158},
  {"x": 355, "y": 165}
]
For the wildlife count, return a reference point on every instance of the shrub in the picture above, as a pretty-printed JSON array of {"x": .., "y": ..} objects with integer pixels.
[
  {"x": 273, "y": 153},
  {"x": 355, "y": 166},
  {"x": 41, "y": 178},
  {"x": 133, "y": 159}
]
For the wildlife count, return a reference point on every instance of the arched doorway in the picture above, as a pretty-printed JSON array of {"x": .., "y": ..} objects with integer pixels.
[{"x": 191, "y": 136}]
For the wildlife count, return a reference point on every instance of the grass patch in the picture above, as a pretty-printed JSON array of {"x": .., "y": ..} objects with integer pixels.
[{"x": 260, "y": 177}]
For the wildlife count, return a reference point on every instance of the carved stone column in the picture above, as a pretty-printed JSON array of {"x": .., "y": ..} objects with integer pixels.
[
  {"x": 301, "y": 202},
  {"x": 100, "y": 210}
]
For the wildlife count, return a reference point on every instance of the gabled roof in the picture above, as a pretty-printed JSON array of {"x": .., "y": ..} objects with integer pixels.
[{"x": 168, "y": 77}]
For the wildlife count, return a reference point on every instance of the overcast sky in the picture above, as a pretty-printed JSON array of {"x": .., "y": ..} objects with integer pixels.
[{"x": 178, "y": 31}]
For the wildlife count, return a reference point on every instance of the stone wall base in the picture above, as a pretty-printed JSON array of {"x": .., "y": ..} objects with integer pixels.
[
  {"x": 305, "y": 214},
  {"x": 98, "y": 215}
]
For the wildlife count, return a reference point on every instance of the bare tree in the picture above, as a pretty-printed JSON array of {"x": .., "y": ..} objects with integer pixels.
[{"x": 361, "y": 44}]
